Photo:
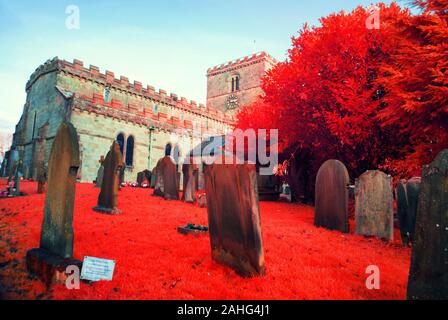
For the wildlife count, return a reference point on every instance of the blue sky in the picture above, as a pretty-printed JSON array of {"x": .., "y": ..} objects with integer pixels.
[{"x": 168, "y": 44}]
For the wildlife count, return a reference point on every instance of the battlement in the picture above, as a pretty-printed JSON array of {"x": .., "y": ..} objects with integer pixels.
[
  {"x": 108, "y": 79},
  {"x": 241, "y": 63}
]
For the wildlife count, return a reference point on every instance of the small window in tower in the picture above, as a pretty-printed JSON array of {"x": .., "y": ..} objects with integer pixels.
[
  {"x": 155, "y": 109},
  {"x": 106, "y": 94},
  {"x": 237, "y": 83},
  {"x": 233, "y": 84}
]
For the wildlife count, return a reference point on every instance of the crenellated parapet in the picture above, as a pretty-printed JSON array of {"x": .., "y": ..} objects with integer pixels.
[
  {"x": 241, "y": 63},
  {"x": 77, "y": 69}
]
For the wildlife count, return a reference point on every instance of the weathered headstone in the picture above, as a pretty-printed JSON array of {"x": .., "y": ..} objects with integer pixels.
[
  {"x": 166, "y": 182},
  {"x": 153, "y": 177},
  {"x": 407, "y": 202},
  {"x": 56, "y": 241},
  {"x": 374, "y": 214},
  {"x": 428, "y": 276},
  {"x": 189, "y": 189},
  {"x": 234, "y": 217},
  {"x": 144, "y": 177},
  {"x": 122, "y": 169},
  {"x": 331, "y": 203},
  {"x": 100, "y": 174},
  {"x": 107, "y": 199},
  {"x": 41, "y": 179}
]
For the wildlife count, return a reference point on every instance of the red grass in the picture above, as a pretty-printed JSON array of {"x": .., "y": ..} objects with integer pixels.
[{"x": 153, "y": 261}]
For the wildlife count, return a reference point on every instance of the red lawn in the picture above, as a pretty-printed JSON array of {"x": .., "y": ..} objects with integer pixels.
[{"x": 153, "y": 261}]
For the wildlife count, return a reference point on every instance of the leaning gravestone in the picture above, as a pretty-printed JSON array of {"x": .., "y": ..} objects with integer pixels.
[
  {"x": 189, "y": 189},
  {"x": 50, "y": 260},
  {"x": 331, "y": 203},
  {"x": 107, "y": 199},
  {"x": 374, "y": 214},
  {"x": 428, "y": 276},
  {"x": 166, "y": 182},
  {"x": 234, "y": 217},
  {"x": 407, "y": 202}
]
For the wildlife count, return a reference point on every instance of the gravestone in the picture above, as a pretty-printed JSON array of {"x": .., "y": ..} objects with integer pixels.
[
  {"x": 331, "y": 204},
  {"x": 189, "y": 189},
  {"x": 166, "y": 182},
  {"x": 428, "y": 276},
  {"x": 121, "y": 171},
  {"x": 407, "y": 202},
  {"x": 41, "y": 179},
  {"x": 153, "y": 178},
  {"x": 374, "y": 214},
  {"x": 234, "y": 217},
  {"x": 100, "y": 174},
  {"x": 143, "y": 177},
  {"x": 107, "y": 199},
  {"x": 56, "y": 241}
]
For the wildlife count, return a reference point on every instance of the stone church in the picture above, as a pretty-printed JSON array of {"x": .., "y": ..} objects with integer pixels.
[{"x": 143, "y": 120}]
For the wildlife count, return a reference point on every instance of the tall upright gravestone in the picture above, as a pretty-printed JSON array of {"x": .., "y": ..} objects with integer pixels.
[
  {"x": 374, "y": 214},
  {"x": 166, "y": 179},
  {"x": 234, "y": 217},
  {"x": 100, "y": 174},
  {"x": 331, "y": 203},
  {"x": 56, "y": 242},
  {"x": 407, "y": 202},
  {"x": 189, "y": 189},
  {"x": 108, "y": 197},
  {"x": 428, "y": 276}
]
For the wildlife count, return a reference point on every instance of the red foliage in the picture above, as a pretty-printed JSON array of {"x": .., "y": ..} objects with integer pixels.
[
  {"x": 334, "y": 97},
  {"x": 154, "y": 261},
  {"x": 416, "y": 81}
]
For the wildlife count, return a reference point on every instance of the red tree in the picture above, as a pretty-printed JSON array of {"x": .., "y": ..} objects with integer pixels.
[
  {"x": 416, "y": 82},
  {"x": 324, "y": 98}
]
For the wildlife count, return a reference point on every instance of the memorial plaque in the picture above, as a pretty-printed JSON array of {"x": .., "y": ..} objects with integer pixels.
[
  {"x": 234, "y": 217},
  {"x": 374, "y": 215},
  {"x": 96, "y": 269},
  {"x": 428, "y": 276},
  {"x": 331, "y": 203},
  {"x": 407, "y": 202}
]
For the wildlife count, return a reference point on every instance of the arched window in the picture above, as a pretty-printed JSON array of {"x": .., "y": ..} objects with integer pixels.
[
  {"x": 168, "y": 148},
  {"x": 155, "y": 109},
  {"x": 106, "y": 94},
  {"x": 235, "y": 83},
  {"x": 130, "y": 151},
  {"x": 120, "y": 140}
]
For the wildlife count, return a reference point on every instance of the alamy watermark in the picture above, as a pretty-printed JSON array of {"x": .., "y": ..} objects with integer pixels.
[
  {"x": 373, "y": 20},
  {"x": 73, "y": 19},
  {"x": 373, "y": 280},
  {"x": 236, "y": 147}
]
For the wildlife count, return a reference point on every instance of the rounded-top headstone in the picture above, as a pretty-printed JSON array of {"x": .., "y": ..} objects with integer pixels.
[{"x": 331, "y": 203}]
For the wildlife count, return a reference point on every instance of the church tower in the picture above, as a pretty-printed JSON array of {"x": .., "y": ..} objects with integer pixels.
[{"x": 237, "y": 83}]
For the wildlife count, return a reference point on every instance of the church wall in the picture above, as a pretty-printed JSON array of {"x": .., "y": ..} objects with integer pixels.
[
  {"x": 96, "y": 134},
  {"x": 44, "y": 105}
]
